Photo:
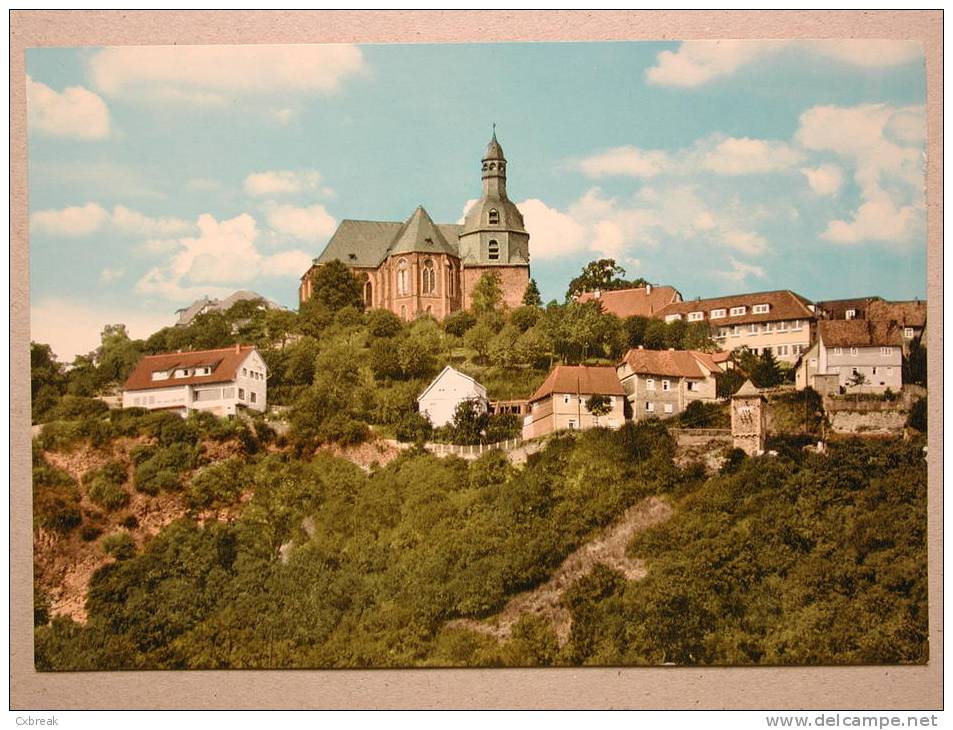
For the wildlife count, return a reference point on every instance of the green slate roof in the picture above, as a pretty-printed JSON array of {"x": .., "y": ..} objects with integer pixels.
[{"x": 368, "y": 243}]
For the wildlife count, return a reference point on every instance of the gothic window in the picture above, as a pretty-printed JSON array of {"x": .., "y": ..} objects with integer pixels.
[
  {"x": 402, "y": 277},
  {"x": 450, "y": 286},
  {"x": 493, "y": 251},
  {"x": 368, "y": 293},
  {"x": 494, "y": 217},
  {"x": 429, "y": 283}
]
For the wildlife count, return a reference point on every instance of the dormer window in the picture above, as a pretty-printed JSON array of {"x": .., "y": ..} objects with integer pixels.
[
  {"x": 850, "y": 314},
  {"x": 493, "y": 251},
  {"x": 494, "y": 217},
  {"x": 760, "y": 308},
  {"x": 737, "y": 311},
  {"x": 696, "y": 316},
  {"x": 717, "y": 313}
]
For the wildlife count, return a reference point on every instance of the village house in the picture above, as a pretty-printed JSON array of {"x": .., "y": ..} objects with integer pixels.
[
  {"x": 449, "y": 389},
  {"x": 204, "y": 305},
  {"x": 779, "y": 321},
  {"x": 420, "y": 267},
  {"x": 846, "y": 348},
  {"x": 560, "y": 402},
  {"x": 910, "y": 317},
  {"x": 641, "y": 301},
  {"x": 217, "y": 381},
  {"x": 661, "y": 383},
  {"x": 855, "y": 308}
]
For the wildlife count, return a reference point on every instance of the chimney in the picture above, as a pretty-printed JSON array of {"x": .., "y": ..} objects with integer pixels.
[
  {"x": 238, "y": 348},
  {"x": 648, "y": 289},
  {"x": 597, "y": 294}
]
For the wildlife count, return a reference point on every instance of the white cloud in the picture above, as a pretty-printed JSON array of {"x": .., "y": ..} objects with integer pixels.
[
  {"x": 75, "y": 220},
  {"x": 553, "y": 234},
  {"x": 285, "y": 182},
  {"x": 108, "y": 275},
  {"x": 629, "y": 161},
  {"x": 739, "y": 272},
  {"x": 877, "y": 220},
  {"x": 745, "y": 241},
  {"x": 72, "y": 327},
  {"x": 697, "y": 62},
  {"x": 715, "y": 153},
  {"x": 881, "y": 143},
  {"x": 284, "y": 117},
  {"x": 225, "y": 254},
  {"x": 223, "y": 70},
  {"x": 309, "y": 224},
  {"x": 75, "y": 112},
  {"x": 92, "y": 217},
  {"x": 745, "y": 156},
  {"x": 825, "y": 179}
]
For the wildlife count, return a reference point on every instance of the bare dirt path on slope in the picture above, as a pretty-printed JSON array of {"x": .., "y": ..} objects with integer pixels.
[{"x": 608, "y": 549}]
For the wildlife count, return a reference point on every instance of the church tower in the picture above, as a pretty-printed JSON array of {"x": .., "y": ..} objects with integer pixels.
[{"x": 493, "y": 235}]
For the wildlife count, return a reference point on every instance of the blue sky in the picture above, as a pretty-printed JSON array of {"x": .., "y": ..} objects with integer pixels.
[{"x": 160, "y": 174}]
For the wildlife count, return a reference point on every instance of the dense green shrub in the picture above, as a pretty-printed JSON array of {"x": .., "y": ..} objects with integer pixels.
[
  {"x": 72, "y": 408},
  {"x": 105, "y": 485},
  {"x": 56, "y": 498},
  {"x": 119, "y": 545},
  {"x": 459, "y": 322},
  {"x": 917, "y": 417},
  {"x": 414, "y": 428},
  {"x": 218, "y": 485}
]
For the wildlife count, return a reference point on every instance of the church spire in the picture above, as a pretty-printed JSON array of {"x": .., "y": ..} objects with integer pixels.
[{"x": 494, "y": 170}]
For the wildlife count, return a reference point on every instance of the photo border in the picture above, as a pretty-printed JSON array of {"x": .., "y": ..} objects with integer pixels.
[{"x": 777, "y": 688}]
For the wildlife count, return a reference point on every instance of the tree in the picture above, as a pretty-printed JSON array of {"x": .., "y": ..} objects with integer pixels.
[
  {"x": 487, "y": 294},
  {"x": 532, "y": 297},
  {"x": 598, "y": 405},
  {"x": 383, "y": 323},
  {"x": 766, "y": 373},
  {"x": 914, "y": 366},
  {"x": 47, "y": 381},
  {"x": 601, "y": 275},
  {"x": 336, "y": 287},
  {"x": 857, "y": 380},
  {"x": 479, "y": 338}
]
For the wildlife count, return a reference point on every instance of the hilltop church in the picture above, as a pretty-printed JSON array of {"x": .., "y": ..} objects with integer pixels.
[{"x": 421, "y": 267}]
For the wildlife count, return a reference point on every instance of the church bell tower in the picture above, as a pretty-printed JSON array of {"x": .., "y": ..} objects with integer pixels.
[{"x": 493, "y": 231}]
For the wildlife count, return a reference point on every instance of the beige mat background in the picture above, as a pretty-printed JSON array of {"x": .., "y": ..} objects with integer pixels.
[{"x": 686, "y": 688}]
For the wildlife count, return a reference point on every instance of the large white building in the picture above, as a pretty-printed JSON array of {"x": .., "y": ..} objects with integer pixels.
[
  {"x": 218, "y": 381},
  {"x": 448, "y": 390}
]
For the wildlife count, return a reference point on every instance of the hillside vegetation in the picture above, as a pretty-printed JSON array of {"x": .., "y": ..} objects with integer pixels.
[{"x": 208, "y": 543}]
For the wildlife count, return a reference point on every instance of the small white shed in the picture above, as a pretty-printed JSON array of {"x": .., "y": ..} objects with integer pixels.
[{"x": 450, "y": 388}]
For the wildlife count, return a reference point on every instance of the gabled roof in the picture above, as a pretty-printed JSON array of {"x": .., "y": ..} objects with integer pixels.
[
  {"x": 189, "y": 313},
  {"x": 224, "y": 363},
  {"x": 673, "y": 363},
  {"x": 366, "y": 243},
  {"x": 782, "y": 305},
  {"x": 420, "y": 233},
  {"x": 904, "y": 314},
  {"x": 582, "y": 379},
  {"x": 747, "y": 390},
  {"x": 640, "y": 301},
  {"x": 837, "y": 308},
  {"x": 858, "y": 333},
  {"x": 443, "y": 372}
]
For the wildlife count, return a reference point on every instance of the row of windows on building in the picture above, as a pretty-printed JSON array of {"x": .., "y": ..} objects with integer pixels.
[
  {"x": 782, "y": 350},
  {"x": 567, "y": 399},
  {"x": 884, "y": 351},
  {"x": 428, "y": 278},
  {"x": 253, "y": 374},
  {"x": 722, "y": 313},
  {"x": 767, "y": 328},
  {"x": 182, "y": 373},
  {"x": 666, "y": 407},
  {"x": 690, "y": 385}
]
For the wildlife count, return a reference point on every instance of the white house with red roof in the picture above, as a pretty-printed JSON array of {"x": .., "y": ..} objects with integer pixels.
[{"x": 218, "y": 381}]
